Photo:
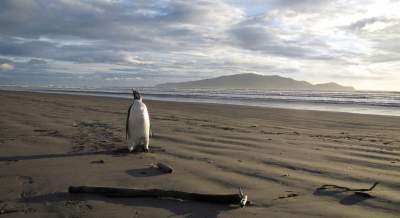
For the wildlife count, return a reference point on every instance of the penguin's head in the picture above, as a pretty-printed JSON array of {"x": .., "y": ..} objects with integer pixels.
[{"x": 136, "y": 95}]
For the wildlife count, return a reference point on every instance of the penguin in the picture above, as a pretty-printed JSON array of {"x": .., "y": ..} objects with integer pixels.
[{"x": 137, "y": 125}]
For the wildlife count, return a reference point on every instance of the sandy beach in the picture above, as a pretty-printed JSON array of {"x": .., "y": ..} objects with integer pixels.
[{"x": 279, "y": 157}]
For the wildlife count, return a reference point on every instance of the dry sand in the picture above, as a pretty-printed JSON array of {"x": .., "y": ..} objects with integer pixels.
[{"x": 279, "y": 157}]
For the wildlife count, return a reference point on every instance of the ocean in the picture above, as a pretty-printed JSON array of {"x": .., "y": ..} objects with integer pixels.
[{"x": 362, "y": 102}]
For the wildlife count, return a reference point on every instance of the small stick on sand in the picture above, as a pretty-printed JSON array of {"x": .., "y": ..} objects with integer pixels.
[
  {"x": 359, "y": 192},
  {"x": 350, "y": 189},
  {"x": 239, "y": 199},
  {"x": 164, "y": 168}
]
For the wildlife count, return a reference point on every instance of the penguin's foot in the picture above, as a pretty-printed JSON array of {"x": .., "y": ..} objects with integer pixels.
[{"x": 139, "y": 148}]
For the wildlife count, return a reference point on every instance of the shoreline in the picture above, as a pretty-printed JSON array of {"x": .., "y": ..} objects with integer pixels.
[
  {"x": 210, "y": 103},
  {"x": 279, "y": 157}
]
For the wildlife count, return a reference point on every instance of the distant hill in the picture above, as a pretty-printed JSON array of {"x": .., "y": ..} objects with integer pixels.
[{"x": 256, "y": 81}]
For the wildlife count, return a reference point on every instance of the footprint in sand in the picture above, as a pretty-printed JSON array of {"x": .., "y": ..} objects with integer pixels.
[
  {"x": 27, "y": 189},
  {"x": 47, "y": 132}
]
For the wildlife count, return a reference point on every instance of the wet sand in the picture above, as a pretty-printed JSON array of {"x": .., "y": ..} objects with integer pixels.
[{"x": 279, "y": 157}]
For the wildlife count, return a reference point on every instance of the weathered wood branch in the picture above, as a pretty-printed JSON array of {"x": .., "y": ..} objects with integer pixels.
[
  {"x": 238, "y": 199},
  {"x": 350, "y": 189}
]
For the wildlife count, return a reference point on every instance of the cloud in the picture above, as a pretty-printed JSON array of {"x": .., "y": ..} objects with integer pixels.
[
  {"x": 260, "y": 39},
  {"x": 109, "y": 28},
  {"x": 304, "y": 5},
  {"x": 371, "y": 24},
  {"x": 6, "y": 67},
  {"x": 37, "y": 62},
  {"x": 158, "y": 40},
  {"x": 25, "y": 65}
]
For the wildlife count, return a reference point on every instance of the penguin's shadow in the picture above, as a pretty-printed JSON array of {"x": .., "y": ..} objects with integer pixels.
[
  {"x": 113, "y": 152},
  {"x": 144, "y": 172}
]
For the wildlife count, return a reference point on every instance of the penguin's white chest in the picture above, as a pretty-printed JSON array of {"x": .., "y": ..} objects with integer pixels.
[{"x": 138, "y": 127}]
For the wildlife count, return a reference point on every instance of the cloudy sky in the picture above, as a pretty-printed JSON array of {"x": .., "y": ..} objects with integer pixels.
[{"x": 145, "y": 42}]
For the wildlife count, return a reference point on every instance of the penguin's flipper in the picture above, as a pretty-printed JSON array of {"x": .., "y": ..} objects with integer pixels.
[
  {"x": 150, "y": 132},
  {"x": 127, "y": 121}
]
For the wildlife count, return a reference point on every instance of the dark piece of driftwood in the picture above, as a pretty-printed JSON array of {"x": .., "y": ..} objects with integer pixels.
[
  {"x": 164, "y": 168},
  {"x": 238, "y": 199},
  {"x": 350, "y": 189},
  {"x": 292, "y": 195},
  {"x": 97, "y": 162},
  {"x": 9, "y": 211}
]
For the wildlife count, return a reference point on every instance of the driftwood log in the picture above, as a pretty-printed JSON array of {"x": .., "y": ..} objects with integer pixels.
[
  {"x": 164, "y": 168},
  {"x": 238, "y": 199}
]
